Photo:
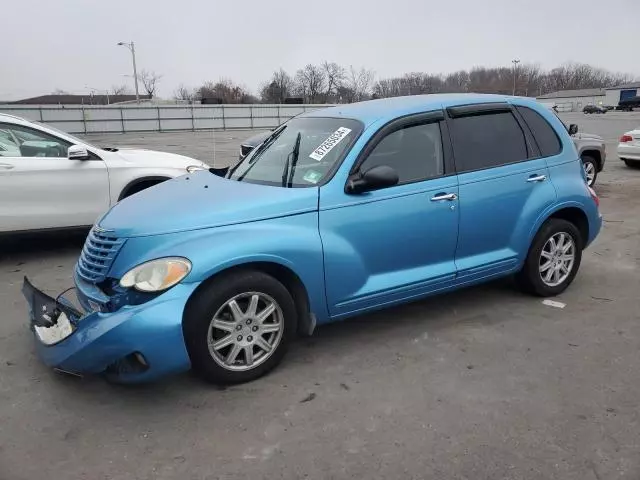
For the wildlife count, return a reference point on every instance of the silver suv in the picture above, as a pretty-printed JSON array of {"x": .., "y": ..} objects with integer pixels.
[
  {"x": 592, "y": 152},
  {"x": 590, "y": 148}
]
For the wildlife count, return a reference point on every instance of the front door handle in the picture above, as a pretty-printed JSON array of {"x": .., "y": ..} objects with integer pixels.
[
  {"x": 5, "y": 166},
  {"x": 537, "y": 178},
  {"x": 444, "y": 196}
]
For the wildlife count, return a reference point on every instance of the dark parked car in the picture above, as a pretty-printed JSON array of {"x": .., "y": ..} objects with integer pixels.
[
  {"x": 594, "y": 109},
  {"x": 252, "y": 142}
]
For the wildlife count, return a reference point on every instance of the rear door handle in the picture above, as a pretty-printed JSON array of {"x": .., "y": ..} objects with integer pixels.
[
  {"x": 444, "y": 196},
  {"x": 5, "y": 166},
  {"x": 537, "y": 178}
]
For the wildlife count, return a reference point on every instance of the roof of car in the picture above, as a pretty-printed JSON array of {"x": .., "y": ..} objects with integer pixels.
[
  {"x": 6, "y": 117},
  {"x": 389, "y": 108}
]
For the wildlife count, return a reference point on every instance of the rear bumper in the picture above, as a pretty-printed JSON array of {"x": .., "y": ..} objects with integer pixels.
[
  {"x": 628, "y": 152},
  {"x": 100, "y": 341}
]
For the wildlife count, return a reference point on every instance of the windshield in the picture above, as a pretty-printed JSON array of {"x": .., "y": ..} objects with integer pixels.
[
  {"x": 71, "y": 137},
  {"x": 301, "y": 153}
]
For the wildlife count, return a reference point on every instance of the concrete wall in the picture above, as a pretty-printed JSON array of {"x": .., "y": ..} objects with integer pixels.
[{"x": 160, "y": 118}]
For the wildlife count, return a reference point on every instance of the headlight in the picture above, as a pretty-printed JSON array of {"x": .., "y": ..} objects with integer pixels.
[
  {"x": 156, "y": 275},
  {"x": 195, "y": 168}
]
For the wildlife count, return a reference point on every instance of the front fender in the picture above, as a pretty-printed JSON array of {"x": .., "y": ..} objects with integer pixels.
[{"x": 292, "y": 242}]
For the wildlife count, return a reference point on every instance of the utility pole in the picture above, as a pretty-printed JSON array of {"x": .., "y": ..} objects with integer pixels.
[
  {"x": 132, "y": 48},
  {"x": 515, "y": 71}
]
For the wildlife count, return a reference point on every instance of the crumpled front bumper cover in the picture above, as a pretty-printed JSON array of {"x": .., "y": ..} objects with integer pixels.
[{"x": 100, "y": 340}]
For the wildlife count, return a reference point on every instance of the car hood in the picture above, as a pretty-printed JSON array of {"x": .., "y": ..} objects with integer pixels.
[
  {"x": 588, "y": 136},
  {"x": 203, "y": 200},
  {"x": 154, "y": 158}
]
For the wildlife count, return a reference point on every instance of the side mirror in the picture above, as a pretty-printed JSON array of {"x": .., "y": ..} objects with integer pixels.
[
  {"x": 78, "y": 152},
  {"x": 373, "y": 179},
  {"x": 573, "y": 129}
]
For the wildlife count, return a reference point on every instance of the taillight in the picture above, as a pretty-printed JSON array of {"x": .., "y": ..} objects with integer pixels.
[
  {"x": 594, "y": 196},
  {"x": 626, "y": 138}
]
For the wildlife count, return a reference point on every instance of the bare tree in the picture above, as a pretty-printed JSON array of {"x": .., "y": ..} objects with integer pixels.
[
  {"x": 358, "y": 83},
  {"x": 150, "y": 80},
  {"x": 225, "y": 91},
  {"x": 457, "y": 82},
  {"x": 335, "y": 76},
  {"x": 278, "y": 88},
  {"x": 184, "y": 93},
  {"x": 119, "y": 90},
  {"x": 310, "y": 83}
]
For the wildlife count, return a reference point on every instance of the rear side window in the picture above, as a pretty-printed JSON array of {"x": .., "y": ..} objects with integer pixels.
[
  {"x": 487, "y": 140},
  {"x": 545, "y": 135}
]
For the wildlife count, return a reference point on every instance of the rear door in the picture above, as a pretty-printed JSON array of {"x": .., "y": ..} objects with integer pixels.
[
  {"x": 41, "y": 188},
  {"x": 504, "y": 186}
]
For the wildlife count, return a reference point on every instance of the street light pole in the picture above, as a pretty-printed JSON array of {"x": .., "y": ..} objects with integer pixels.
[
  {"x": 131, "y": 46},
  {"x": 515, "y": 69}
]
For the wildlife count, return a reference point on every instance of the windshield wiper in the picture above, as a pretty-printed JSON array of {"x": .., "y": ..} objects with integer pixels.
[
  {"x": 292, "y": 158},
  {"x": 253, "y": 156}
]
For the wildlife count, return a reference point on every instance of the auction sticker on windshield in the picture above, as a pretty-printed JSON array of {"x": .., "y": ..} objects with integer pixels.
[{"x": 331, "y": 141}]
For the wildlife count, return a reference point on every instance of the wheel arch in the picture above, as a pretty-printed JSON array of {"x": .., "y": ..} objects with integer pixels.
[
  {"x": 570, "y": 212},
  {"x": 284, "y": 274},
  {"x": 593, "y": 153},
  {"x": 153, "y": 179}
]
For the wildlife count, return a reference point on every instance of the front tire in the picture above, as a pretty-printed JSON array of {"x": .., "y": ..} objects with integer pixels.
[
  {"x": 590, "y": 168},
  {"x": 239, "y": 326},
  {"x": 553, "y": 259}
]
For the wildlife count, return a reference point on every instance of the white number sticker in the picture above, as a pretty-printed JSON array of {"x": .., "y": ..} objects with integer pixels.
[{"x": 331, "y": 141}]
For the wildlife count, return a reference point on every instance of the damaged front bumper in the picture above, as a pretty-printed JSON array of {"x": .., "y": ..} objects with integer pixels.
[{"x": 132, "y": 344}]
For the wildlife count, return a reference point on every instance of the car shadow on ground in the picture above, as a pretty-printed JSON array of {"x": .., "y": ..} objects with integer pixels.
[
  {"x": 24, "y": 247},
  {"x": 330, "y": 345}
]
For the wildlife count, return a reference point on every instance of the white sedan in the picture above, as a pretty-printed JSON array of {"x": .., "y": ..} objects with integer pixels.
[
  {"x": 629, "y": 148},
  {"x": 50, "y": 179}
]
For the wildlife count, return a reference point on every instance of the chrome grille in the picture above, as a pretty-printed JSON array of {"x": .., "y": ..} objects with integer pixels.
[{"x": 100, "y": 249}]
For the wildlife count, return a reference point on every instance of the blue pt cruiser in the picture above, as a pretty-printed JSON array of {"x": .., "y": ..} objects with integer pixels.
[{"x": 338, "y": 212}]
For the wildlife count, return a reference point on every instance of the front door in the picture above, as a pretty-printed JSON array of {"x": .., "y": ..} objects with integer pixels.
[
  {"x": 504, "y": 188},
  {"x": 389, "y": 245},
  {"x": 41, "y": 188}
]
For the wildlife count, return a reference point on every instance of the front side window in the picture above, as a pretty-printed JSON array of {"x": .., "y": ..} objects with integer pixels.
[
  {"x": 487, "y": 140},
  {"x": 27, "y": 142},
  {"x": 302, "y": 153},
  {"x": 415, "y": 152},
  {"x": 9, "y": 146}
]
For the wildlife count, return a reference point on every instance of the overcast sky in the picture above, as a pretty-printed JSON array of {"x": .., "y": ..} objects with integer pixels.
[{"x": 71, "y": 44}]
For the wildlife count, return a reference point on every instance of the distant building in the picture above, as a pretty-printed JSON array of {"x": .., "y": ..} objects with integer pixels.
[
  {"x": 575, "y": 100},
  {"x": 68, "y": 99},
  {"x": 622, "y": 92}
]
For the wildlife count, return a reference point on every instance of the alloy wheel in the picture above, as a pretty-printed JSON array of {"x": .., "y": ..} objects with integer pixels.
[
  {"x": 556, "y": 259},
  {"x": 245, "y": 331},
  {"x": 590, "y": 170}
]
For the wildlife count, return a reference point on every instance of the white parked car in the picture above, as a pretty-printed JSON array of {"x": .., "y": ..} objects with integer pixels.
[
  {"x": 629, "y": 148},
  {"x": 50, "y": 179}
]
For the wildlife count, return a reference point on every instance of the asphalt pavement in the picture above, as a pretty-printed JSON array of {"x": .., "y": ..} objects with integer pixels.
[{"x": 484, "y": 383}]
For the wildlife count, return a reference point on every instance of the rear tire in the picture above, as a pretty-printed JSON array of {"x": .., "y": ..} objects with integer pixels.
[
  {"x": 632, "y": 163},
  {"x": 590, "y": 166},
  {"x": 534, "y": 278},
  {"x": 226, "y": 338}
]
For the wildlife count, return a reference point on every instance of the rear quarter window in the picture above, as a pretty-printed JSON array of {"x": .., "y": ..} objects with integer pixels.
[{"x": 544, "y": 134}]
